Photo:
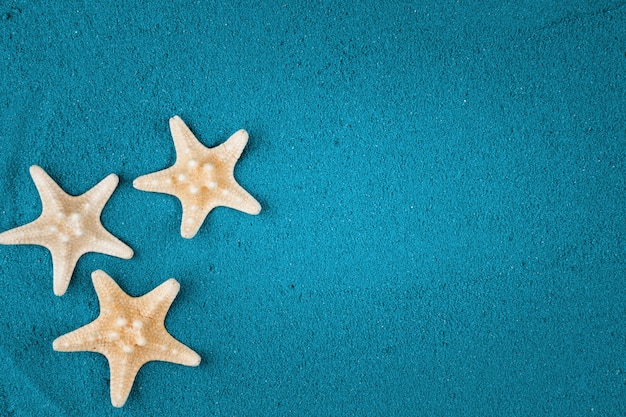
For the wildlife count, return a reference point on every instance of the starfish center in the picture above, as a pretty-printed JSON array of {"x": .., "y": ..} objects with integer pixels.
[
  {"x": 196, "y": 178},
  {"x": 66, "y": 227},
  {"x": 127, "y": 336}
]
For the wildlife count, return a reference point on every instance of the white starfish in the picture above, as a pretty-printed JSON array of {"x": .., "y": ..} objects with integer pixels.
[
  {"x": 130, "y": 331},
  {"x": 69, "y": 226},
  {"x": 202, "y": 178}
]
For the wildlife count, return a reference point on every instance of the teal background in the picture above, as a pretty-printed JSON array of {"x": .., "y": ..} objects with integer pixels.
[{"x": 443, "y": 187}]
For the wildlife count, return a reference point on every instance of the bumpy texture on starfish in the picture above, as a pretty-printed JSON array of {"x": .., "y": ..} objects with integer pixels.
[
  {"x": 130, "y": 331},
  {"x": 202, "y": 178},
  {"x": 69, "y": 226}
]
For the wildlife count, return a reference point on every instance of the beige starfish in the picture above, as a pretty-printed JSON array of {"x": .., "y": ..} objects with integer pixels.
[
  {"x": 130, "y": 332},
  {"x": 69, "y": 226},
  {"x": 202, "y": 178}
]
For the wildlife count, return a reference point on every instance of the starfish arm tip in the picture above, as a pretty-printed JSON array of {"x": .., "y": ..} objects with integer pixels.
[
  {"x": 172, "y": 286},
  {"x": 37, "y": 173},
  {"x": 126, "y": 252},
  {"x": 113, "y": 178},
  {"x": 147, "y": 183},
  {"x": 256, "y": 209},
  {"x": 235, "y": 144},
  {"x": 5, "y": 238},
  {"x": 61, "y": 280},
  {"x": 99, "y": 275},
  {"x": 242, "y": 133},
  {"x": 59, "y": 291},
  {"x": 137, "y": 183},
  {"x": 26, "y": 234},
  {"x": 176, "y": 123},
  {"x": 62, "y": 272},
  {"x": 248, "y": 206},
  {"x": 189, "y": 229},
  {"x": 60, "y": 344},
  {"x": 187, "y": 235},
  {"x": 107, "y": 243},
  {"x": 194, "y": 360},
  {"x": 118, "y": 401}
]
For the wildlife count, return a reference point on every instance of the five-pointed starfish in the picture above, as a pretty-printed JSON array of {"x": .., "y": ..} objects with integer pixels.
[
  {"x": 69, "y": 226},
  {"x": 130, "y": 331},
  {"x": 202, "y": 178}
]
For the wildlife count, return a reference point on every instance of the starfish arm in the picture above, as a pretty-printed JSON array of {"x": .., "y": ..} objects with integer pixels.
[
  {"x": 232, "y": 149},
  {"x": 123, "y": 372},
  {"x": 85, "y": 338},
  {"x": 98, "y": 196},
  {"x": 129, "y": 332},
  {"x": 240, "y": 199},
  {"x": 105, "y": 242},
  {"x": 29, "y": 234},
  {"x": 171, "y": 350},
  {"x": 156, "y": 182},
  {"x": 157, "y": 302},
  {"x": 107, "y": 289},
  {"x": 63, "y": 264},
  {"x": 193, "y": 217},
  {"x": 185, "y": 142},
  {"x": 49, "y": 191}
]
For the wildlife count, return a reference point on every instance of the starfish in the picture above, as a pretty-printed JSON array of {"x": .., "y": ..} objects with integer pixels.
[
  {"x": 69, "y": 226},
  {"x": 201, "y": 178},
  {"x": 130, "y": 332}
]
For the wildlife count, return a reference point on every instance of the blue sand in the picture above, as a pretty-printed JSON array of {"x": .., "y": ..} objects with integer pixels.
[{"x": 443, "y": 186}]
